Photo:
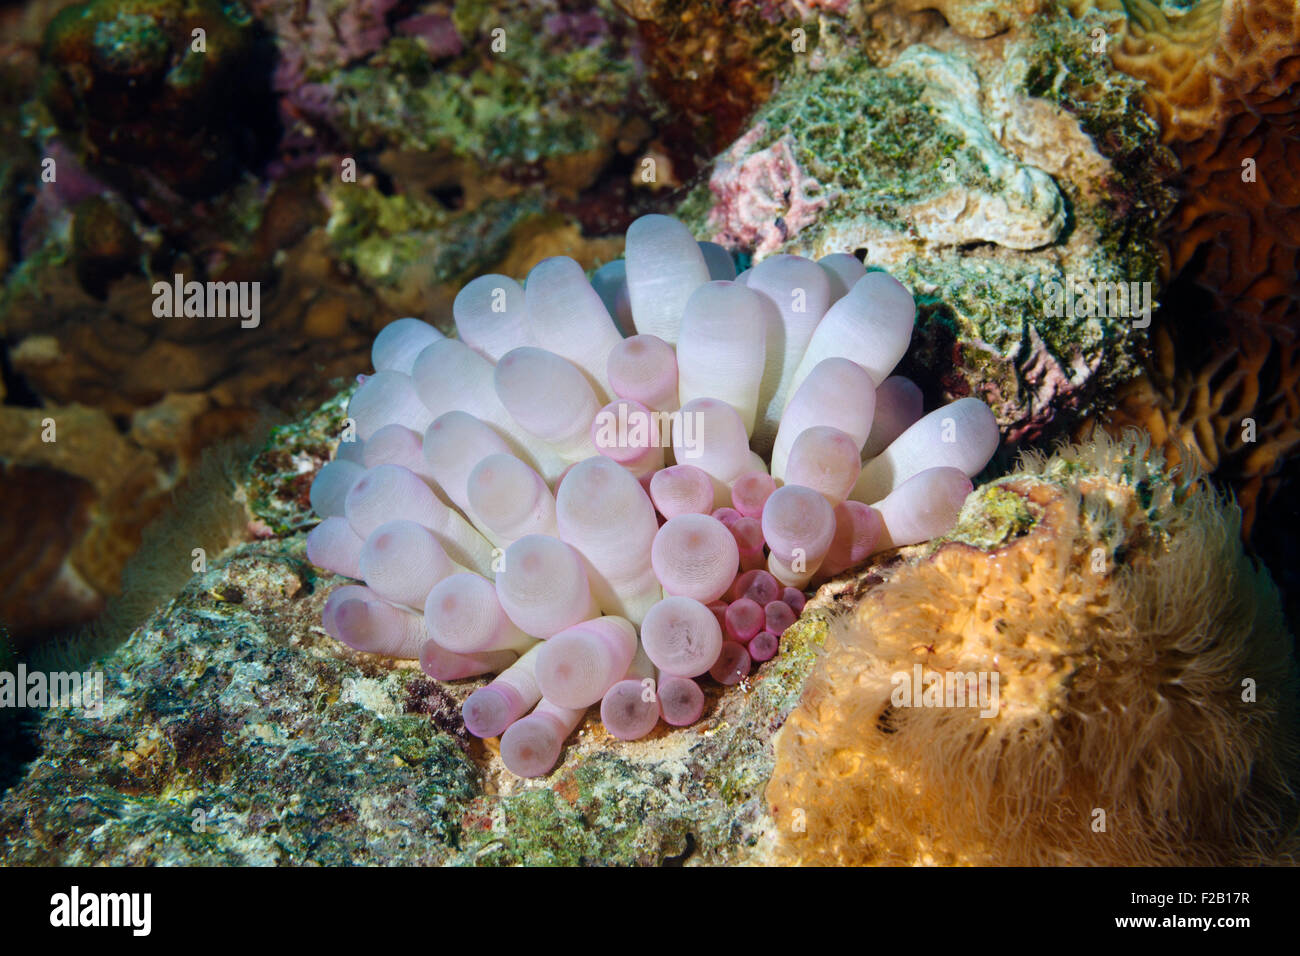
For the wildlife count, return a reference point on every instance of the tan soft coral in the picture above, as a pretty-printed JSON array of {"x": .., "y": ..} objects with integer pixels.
[{"x": 1121, "y": 618}]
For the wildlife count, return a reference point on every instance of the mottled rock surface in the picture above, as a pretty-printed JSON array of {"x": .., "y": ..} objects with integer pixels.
[
  {"x": 236, "y": 731},
  {"x": 987, "y": 174}
]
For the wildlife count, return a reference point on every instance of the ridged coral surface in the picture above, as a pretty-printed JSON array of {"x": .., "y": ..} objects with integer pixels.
[
  {"x": 1145, "y": 705},
  {"x": 1233, "y": 407},
  {"x": 1223, "y": 80}
]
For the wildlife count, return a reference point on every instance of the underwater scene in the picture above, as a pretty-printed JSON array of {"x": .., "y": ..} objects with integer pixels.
[{"x": 560, "y": 433}]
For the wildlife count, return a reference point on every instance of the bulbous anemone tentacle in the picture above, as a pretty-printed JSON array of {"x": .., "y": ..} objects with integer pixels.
[{"x": 610, "y": 491}]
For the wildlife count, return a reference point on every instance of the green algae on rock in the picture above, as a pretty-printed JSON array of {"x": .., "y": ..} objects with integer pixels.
[
  {"x": 277, "y": 481},
  {"x": 236, "y": 731},
  {"x": 984, "y": 174},
  {"x": 403, "y": 241},
  {"x": 526, "y": 89},
  {"x": 991, "y": 517}
]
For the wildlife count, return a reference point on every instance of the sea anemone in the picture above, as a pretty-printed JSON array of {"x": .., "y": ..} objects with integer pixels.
[{"x": 605, "y": 490}]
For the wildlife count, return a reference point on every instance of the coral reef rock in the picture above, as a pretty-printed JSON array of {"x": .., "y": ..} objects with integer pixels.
[
  {"x": 1231, "y": 405},
  {"x": 408, "y": 153},
  {"x": 77, "y": 494},
  {"x": 166, "y": 86},
  {"x": 236, "y": 731},
  {"x": 713, "y": 62},
  {"x": 994, "y": 177}
]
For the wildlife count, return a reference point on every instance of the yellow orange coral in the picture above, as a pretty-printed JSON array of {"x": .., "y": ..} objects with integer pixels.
[
  {"x": 1236, "y": 408},
  {"x": 1241, "y": 163},
  {"x": 1223, "y": 78},
  {"x": 975, "y": 18},
  {"x": 1123, "y": 623}
]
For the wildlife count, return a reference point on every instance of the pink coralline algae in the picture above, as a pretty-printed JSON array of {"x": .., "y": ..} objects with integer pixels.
[
  {"x": 607, "y": 491},
  {"x": 53, "y": 199},
  {"x": 316, "y": 37},
  {"x": 436, "y": 30},
  {"x": 1053, "y": 387},
  {"x": 775, "y": 11},
  {"x": 763, "y": 196},
  {"x": 319, "y": 35},
  {"x": 583, "y": 28}
]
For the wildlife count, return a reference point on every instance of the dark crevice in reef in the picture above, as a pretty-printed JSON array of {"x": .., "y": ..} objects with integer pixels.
[
  {"x": 19, "y": 745},
  {"x": 383, "y": 181},
  {"x": 681, "y": 858},
  {"x": 450, "y": 197},
  {"x": 17, "y": 390},
  {"x": 23, "y": 197},
  {"x": 1201, "y": 335}
]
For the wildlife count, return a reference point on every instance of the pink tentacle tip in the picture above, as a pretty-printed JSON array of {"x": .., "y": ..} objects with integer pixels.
[
  {"x": 337, "y": 598},
  {"x": 764, "y": 646},
  {"x": 748, "y": 533},
  {"x": 627, "y": 432},
  {"x": 727, "y": 516},
  {"x": 681, "y": 489},
  {"x": 858, "y": 530},
  {"x": 744, "y": 618},
  {"x": 750, "y": 492},
  {"x": 732, "y": 665},
  {"x": 630, "y": 709},
  {"x": 644, "y": 368},
  {"x": 681, "y": 636},
  {"x": 758, "y": 585},
  {"x": 531, "y": 747},
  {"x": 696, "y": 556},
  {"x": 795, "y": 598},
  {"x": 333, "y": 545},
  {"x": 577, "y": 666},
  {"x": 681, "y": 701},
  {"x": 797, "y": 518},
  {"x": 779, "y": 616},
  {"x": 490, "y": 710}
]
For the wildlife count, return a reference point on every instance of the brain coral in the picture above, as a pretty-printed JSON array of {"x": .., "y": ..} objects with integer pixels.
[
  {"x": 1233, "y": 406},
  {"x": 1139, "y": 697},
  {"x": 1222, "y": 78},
  {"x": 976, "y": 178},
  {"x": 588, "y": 515},
  {"x": 1224, "y": 81}
]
